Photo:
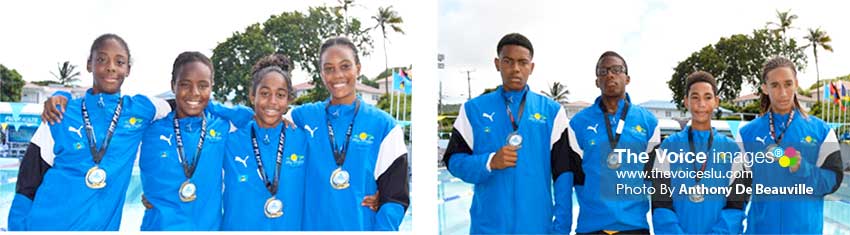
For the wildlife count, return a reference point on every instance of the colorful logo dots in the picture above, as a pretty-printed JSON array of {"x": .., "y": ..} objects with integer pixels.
[{"x": 788, "y": 158}]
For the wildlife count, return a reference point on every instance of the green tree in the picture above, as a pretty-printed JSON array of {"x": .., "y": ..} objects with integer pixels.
[
  {"x": 384, "y": 103},
  {"x": 294, "y": 34},
  {"x": 734, "y": 61},
  {"x": 11, "y": 85},
  {"x": 558, "y": 92},
  {"x": 66, "y": 74},
  {"x": 818, "y": 38},
  {"x": 387, "y": 17}
]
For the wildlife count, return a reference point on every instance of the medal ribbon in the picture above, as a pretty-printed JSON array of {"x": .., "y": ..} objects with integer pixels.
[
  {"x": 613, "y": 140},
  {"x": 339, "y": 154},
  {"x": 97, "y": 154},
  {"x": 694, "y": 149},
  {"x": 189, "y": 170},
  {"x": 787, "y": 124},
  {"x": 270, "y": 185}
]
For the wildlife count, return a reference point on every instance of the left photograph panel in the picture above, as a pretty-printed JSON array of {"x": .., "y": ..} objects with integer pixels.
[{"x": 202, "y": 116}]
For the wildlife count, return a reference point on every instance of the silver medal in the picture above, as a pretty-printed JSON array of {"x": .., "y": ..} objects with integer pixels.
[
  {"x": 273, "y": 208},
  {"x": 774, "y": 151},
  {"x": 187, "y": 191},
  {"x": 696, "y": 197},
  {"x": 613, "y": 161},
  {"x": 514, "y": 139},
  {"x": 339, "y": 179},
  {"x": 96, "y": 178}
]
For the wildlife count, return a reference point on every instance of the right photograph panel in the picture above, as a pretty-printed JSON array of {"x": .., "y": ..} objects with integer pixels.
[{"x": 643, "y": 117}]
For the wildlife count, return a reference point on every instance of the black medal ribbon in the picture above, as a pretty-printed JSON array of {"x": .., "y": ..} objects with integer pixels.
[
  {"x": 613, "y": 140},
  {"x": 189, "y": 170},
  {"x": 694, "y": 149},
  {"x": 97, "y": 154},
  {"x": 339, "y": 153},
  {"x": 272, "y": 186}
]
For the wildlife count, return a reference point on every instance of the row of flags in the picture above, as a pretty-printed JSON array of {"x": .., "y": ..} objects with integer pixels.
[{"x": 837, "y": 96}]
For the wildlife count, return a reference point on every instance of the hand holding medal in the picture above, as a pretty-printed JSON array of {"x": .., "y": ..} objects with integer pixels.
[{"x": 504, "y": 158}]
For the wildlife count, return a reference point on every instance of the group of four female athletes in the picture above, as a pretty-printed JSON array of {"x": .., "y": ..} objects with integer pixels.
[{"x": 338, "y": 164}]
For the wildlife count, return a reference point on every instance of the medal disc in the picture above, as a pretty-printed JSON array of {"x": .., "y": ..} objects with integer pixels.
[
  {"x": 339, "y": 179},
  {"x": 273, "y": 208},
  {"x": 613, "y": 161},
  {"x": 187, "y": 191},
  {"x": 96, "y": 178},
  {"x": 514, "y": 139}
]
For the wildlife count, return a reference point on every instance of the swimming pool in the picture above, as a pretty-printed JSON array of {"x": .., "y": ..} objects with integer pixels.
[
  {"x": 455, "y": 197},
  {"x": 133, "y": 209}
]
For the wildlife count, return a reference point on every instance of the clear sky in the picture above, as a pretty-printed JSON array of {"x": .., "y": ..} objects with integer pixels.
[
  {"x": 653, "y": 36},
  {"x": 39, "y": 34}
]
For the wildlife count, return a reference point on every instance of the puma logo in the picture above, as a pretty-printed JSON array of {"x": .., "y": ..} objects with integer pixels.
[
  {"x": 593, "y": 128},
  {"x": 76, "y": 130},
  {"x": 310, "y": 130},
  {"x": 243, "y": 161},
  {"x": 166, "y": 139},
  {"x": 489, "y": 115},
  {"x": 759, "y": 139}
]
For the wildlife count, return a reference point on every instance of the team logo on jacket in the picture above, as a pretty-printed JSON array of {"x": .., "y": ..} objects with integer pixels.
[
  {"x": 809, "y": 140},
  {"x": 363, "y": 138},
  {"x": 537, "y": 118},
  {"x": 640, "y": 129},
  {"x": 133, "y": 123},
  {"x": 214, "y": 135},
  {"x": 295, "y": 160}
]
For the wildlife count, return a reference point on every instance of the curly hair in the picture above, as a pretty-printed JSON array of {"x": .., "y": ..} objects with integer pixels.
[{"x": 278, "y": 63}]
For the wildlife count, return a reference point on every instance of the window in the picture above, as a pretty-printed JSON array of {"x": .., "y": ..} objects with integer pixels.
[{"x": 667, "y": 114}]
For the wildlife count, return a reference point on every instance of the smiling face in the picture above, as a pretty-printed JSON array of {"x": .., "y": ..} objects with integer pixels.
[
  {"x": 781, "y": 87},
  {"x": 270, "y": 99},
  {"x": 701, "y": 102},
  {"x": 109, "y": 64},
  {"x": 192, "y": 89},
  {"x": 339, "y": 73},
  {"x": 514, "y": 64}
]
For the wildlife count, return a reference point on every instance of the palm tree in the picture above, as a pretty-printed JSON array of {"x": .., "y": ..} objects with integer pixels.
[
  {"x": 344, "y": 5},
  {"x": 387, "y": 17},
  {"x": 818, "y": 38},
  {"x": 66, "y": 75},
  {"x": 785, "y": 20},
  {"x": 557, "y": 92}
]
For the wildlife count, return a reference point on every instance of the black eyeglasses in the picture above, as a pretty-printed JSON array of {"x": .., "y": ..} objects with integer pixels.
[{"x": 616, "y": 69}]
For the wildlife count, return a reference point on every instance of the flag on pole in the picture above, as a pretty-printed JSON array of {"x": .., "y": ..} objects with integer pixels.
[
  {"x": 834, "y": 93},
  {"x": 843, "y": 98},
  {"x": 397, "y": 81},
  {"x": 826, "y": 93}
]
